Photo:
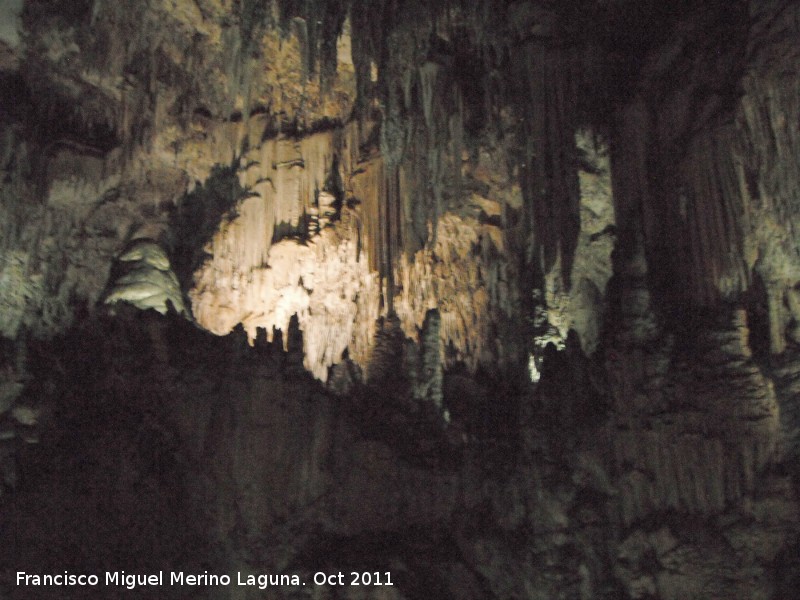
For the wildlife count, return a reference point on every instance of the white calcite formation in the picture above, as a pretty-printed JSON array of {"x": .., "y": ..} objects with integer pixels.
[
  {"x": 289, "y": 249},
  {"x": 580, "y": 306},
  {"x": 315, "y": 269},
  {"x": 415, "y": 199},
  {"x": 463, "y": 275},
  {"x": 148, "y": 281},
  {"x": 322, "y": 281}
]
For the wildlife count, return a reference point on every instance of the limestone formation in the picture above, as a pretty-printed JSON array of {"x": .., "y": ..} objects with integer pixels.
[
  {"x": 148, "y": 280},
  {"x": 499, "y": 297}
]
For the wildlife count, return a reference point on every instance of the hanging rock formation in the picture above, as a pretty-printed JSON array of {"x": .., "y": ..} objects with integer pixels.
[
  {"x": 148, "y": 280},
  {"x": 499, "y": 297}
]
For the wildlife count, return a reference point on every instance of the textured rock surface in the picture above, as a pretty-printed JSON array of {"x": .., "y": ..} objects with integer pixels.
[
  {"x": 388, "y": 218},
  {"x": 148, "y": 280}
]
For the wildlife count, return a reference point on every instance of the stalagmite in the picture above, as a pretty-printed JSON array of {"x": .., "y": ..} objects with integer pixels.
[{"x": 429, "y": 378}]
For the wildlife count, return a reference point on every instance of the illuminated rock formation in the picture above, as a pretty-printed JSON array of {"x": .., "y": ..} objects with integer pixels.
[
  {"x": 148, "y": 280},
  {"x": 500, "y": 296}
]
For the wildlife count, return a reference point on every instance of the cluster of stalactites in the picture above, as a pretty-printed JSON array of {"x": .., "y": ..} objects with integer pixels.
[
  {"x": 549, "y": 173},
  {"x": 427, "y": 67},
  {"x": 730, "y": 220},
  {"x": 709, "y": 182},
  {"x": 457, "y": 78},
  {"x": 713, "y": 208}
]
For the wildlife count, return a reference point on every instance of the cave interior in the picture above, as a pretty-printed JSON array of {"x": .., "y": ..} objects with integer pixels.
[{"x": 475, "y": 299}]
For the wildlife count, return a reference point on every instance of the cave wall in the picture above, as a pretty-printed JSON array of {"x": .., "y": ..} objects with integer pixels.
[
  {"x": 511, "y": 286},
  {"x": 388, "y": 154}
]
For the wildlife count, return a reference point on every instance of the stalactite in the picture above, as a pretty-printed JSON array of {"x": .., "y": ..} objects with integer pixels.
[
  {"x": 580, "y": 308},
  {"x": 716, "y": 236},
  {"x": 281, "y": 254},
  {"x": 428, "y": 74},
  {"x": 391, "y": 218},
  {"x": 398, "y": 207},
  {"x": 549, "y": 171}
]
